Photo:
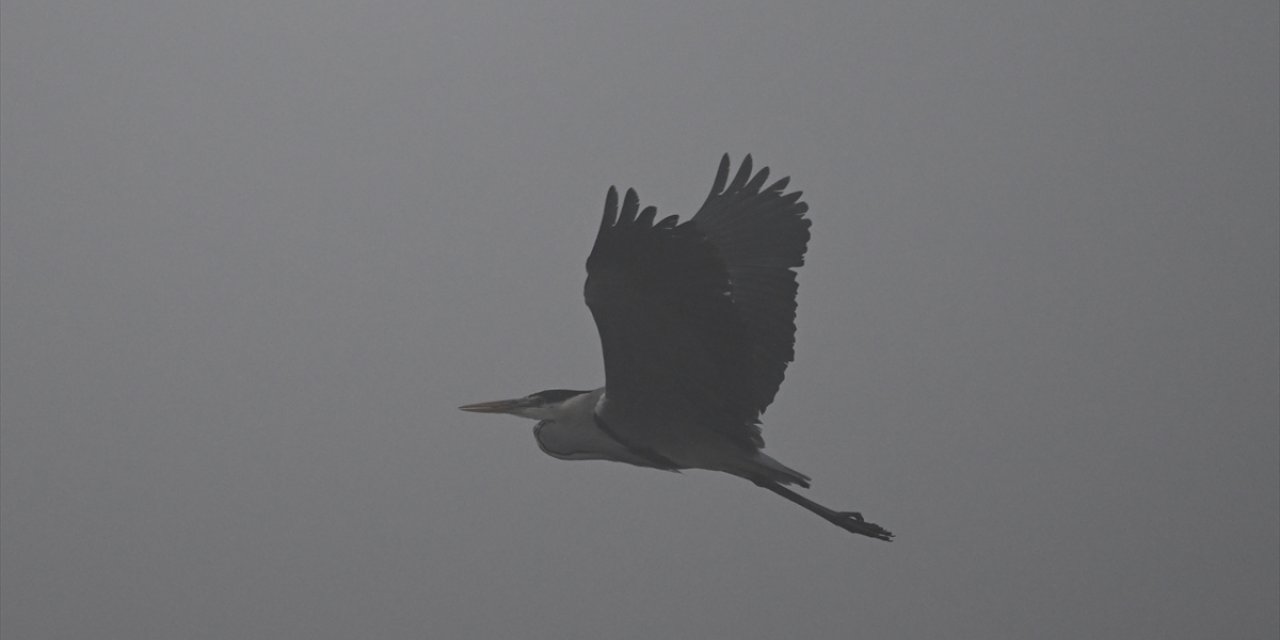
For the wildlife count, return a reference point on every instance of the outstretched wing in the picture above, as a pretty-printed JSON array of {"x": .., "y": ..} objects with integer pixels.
[
  {"x": 675, "y": 350},
  {"x": 761, "y": 236},
  {"x": 689, "y": 334}
]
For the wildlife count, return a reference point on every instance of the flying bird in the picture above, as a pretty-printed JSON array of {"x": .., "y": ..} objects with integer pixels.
[{"x": 697, "y": 325}]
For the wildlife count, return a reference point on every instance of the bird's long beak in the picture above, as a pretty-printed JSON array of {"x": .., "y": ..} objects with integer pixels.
[{"x": 496, "y": 406}]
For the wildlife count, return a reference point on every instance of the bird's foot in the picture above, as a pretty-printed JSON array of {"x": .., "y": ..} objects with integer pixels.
[{"x": 853, "y": 522}]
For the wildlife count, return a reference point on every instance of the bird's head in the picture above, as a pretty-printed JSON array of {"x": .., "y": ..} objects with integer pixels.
[{"x": 543, "y": 405}]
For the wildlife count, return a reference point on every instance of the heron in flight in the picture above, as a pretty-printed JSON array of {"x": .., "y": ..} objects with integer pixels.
[{"x": 697, "y": 325}]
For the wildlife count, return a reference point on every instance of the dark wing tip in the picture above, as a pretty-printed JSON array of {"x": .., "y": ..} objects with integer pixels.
[
  {"x": 645, "y": 219},
  {"x": 722, "y": 176},
  {"x": 630, "y": 206},
  {"x": 744, "y": 173},
  {"x": 754, "y": 185},
  {"x": 610, "y": 210}
]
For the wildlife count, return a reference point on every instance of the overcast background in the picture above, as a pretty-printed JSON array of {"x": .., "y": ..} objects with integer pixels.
[{"x": 255, "y": 254}]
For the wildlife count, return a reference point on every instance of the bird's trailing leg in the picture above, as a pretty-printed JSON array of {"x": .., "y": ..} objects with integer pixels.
[{"x": 850, "y": 521}]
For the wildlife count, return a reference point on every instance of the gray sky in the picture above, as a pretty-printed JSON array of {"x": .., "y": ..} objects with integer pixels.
[{"x": 255, "y": 254}]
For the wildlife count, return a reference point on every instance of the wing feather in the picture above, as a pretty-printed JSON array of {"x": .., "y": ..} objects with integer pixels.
[
  {"x": 761, "y": 237},
  {"x": 697, "y": 320}
]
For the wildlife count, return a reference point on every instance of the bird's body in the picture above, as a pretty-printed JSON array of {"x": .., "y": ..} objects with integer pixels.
[
  {"x": 697, "y": 324},
  {"x": 578, "y": 431}
]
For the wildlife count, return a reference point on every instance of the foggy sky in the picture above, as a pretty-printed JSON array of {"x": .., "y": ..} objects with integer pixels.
[{"x": 253, "y": 255}]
